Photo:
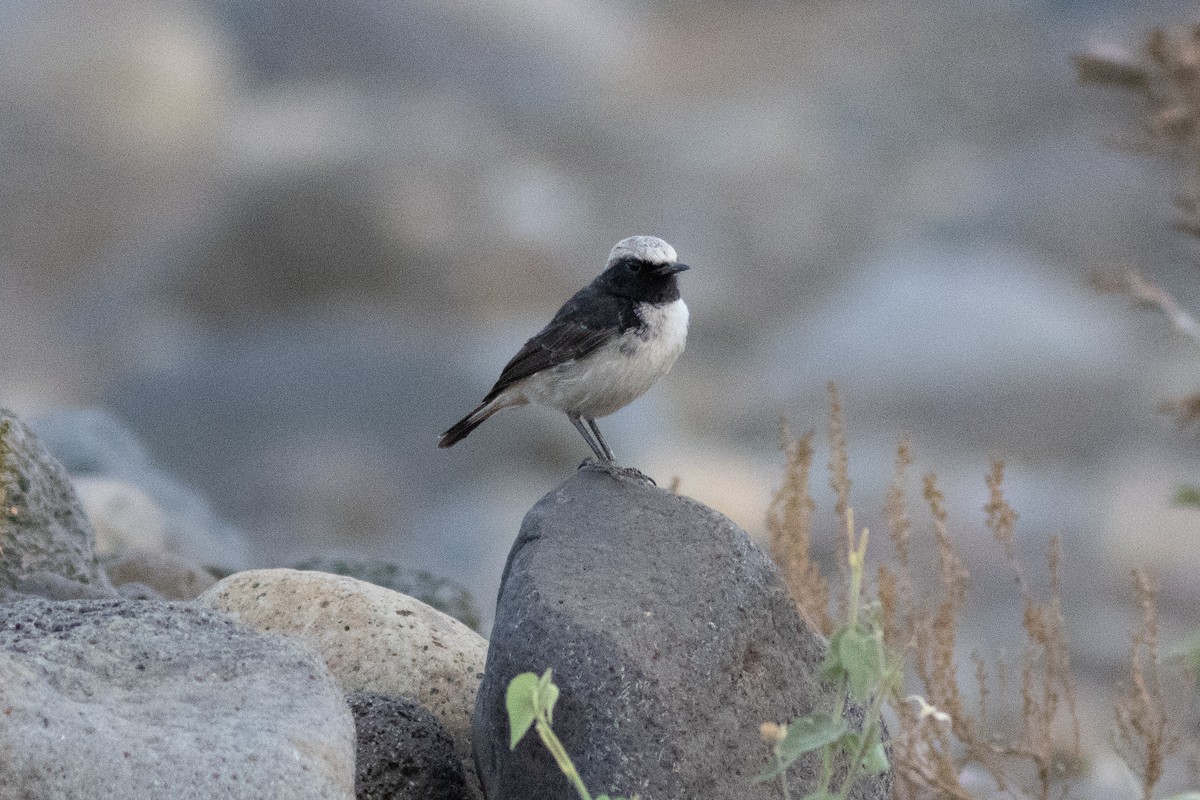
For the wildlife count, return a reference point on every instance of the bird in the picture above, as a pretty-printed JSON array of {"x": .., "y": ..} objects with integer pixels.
[{"x": 604, "y": 348}]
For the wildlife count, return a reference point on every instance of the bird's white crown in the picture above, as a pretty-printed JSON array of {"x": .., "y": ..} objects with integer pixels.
[{"x": 650, "y": 249}]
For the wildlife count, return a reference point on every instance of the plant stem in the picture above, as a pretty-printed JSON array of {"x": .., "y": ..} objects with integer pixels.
[
  {"x": 787, "y": 794},
  {"x": 870, "y": 732},
  {"x": 855, "y": 571},
  {"x": 826, "y": 769},
  {"x": 560, "y": 755}
]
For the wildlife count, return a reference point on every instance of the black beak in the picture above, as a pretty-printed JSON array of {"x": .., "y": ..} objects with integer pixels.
[{"x": 671, "y": 269}]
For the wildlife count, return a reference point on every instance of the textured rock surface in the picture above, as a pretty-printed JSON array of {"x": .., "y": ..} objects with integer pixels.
[
  {"x": 46, "y": 542},
  {"x": 442, "y": 593},
  {"x": 94, "y": 444},
  {"x": 404, "y": 753},
  {"x": 373, "y": 639},
  {"x": 169, "y": 575},
  {"x": 121, "y": 698},
  {"x": 671, "y": 637}
]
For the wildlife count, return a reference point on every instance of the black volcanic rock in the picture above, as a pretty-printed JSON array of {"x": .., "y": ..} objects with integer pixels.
[
  {"x": 404, "y": 752},
  {"x": 672, "y": 638}
]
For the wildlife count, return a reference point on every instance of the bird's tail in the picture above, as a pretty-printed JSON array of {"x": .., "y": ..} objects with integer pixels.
[{"x": 459, "y": 430}]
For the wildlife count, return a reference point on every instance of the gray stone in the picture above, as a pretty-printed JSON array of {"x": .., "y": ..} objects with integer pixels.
[
  {"x": 94, "y": 444},
  {"x": 46, "y": 585},
  {"x": 124, "y": 517},
  {"x": 138, "y": 591},
  {"x": 168, "y": 575},
  {"x": 48, "y": 541},
  {"x": 404, "y": 753},
  {"x": 132, "y": 699},
  {"x": 671, "y": 637},
  {"x": 441, "y": 593},
  {"x": 372, "y": 639}
]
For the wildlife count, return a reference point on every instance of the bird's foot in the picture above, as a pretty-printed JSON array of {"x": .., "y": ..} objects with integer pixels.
[
  {"x": 617, "y": 471},
  {"x": 636, "y": 474}
]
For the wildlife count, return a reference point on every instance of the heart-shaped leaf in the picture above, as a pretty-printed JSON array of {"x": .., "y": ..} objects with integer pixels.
[{"x": 521, "y": 702}]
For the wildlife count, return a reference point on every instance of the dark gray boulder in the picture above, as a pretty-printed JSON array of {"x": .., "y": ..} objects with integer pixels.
[
  {"x": 48, "y": 543},
  {"x": 135, "y": 699},
  {"x": 671, "y": 637},
  {"x": 404, "y": 753}
]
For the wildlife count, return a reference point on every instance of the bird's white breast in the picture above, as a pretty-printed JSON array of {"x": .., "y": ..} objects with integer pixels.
[
  {"x": 618, "y": 372},
  {"x": 664, "y": 334}
]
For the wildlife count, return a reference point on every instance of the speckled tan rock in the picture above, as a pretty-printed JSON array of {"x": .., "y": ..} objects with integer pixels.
[{"x": 373, "y": 639}]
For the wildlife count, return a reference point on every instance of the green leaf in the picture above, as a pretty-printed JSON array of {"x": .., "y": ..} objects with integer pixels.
[
  {"x": 547, "y": 697},
  {"x": 831, "y": 668},
  {"x": 875, "y": 760},
  {"x": 820, "y": 796},
  {"x": 1184, "y": 796},
  {"x": 849, "y": 742},
  {"x": 1188, "y": 497},
  {"x": 809, "y": 733},
  {"x": 804, "y": 735},
  {"x": 858, "y": 651},
  {"x": 521, "y": 702}
]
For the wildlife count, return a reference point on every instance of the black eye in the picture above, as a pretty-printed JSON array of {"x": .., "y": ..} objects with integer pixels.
[{"x": 638, "y": 267}]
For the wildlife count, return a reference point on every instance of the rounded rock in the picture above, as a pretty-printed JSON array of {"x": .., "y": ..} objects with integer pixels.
[
  {"x": 126, "y": 698},
  {"x": 373, "y": 639}
]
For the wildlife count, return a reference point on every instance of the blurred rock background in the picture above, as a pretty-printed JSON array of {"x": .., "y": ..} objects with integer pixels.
[{"x": 288, "y": 242}]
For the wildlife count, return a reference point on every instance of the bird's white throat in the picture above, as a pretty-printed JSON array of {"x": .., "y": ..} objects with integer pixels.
[{"x": 665, "y": 331}]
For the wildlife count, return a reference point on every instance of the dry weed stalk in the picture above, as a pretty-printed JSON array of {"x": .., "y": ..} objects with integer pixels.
[
  {"x": 1167, "y": 74},
  {"x": 1002, "y": 519},
  {"x": 928, "y": 754},
  {"x": 937, "y": 636},
  {"x": 1148, "y": 295},
  {"x": 1046, "y": 681},
  {"x": 929, "y": 757},
  {"x": 896, "y": 586},
  {"x": 789, "y": 523},
  {"x": 1046, "y": 684},
  {"x": 839, "y": 481},
  {"x": 839, "y": 454},
  {"x": 1144, "y": 736},
  {"x": 922, "y": 747}
]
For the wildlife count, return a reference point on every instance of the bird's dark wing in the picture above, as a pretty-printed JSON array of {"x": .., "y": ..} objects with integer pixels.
[{"x": 586, "y": 321}]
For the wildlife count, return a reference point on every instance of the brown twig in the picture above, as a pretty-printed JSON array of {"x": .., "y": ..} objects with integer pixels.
[{"x": 1149, "y": 295}]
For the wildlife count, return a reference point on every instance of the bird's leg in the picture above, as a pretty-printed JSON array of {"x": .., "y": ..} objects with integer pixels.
[
  {"x": 608, "y": 456},
  {"x": 600, "y": 448},
  {"x": 587, "y": 437},
  {"x": 611, "y": 464}
]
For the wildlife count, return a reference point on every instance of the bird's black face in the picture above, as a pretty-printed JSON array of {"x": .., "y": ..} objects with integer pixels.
[{"x": 643, "y": 281}]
